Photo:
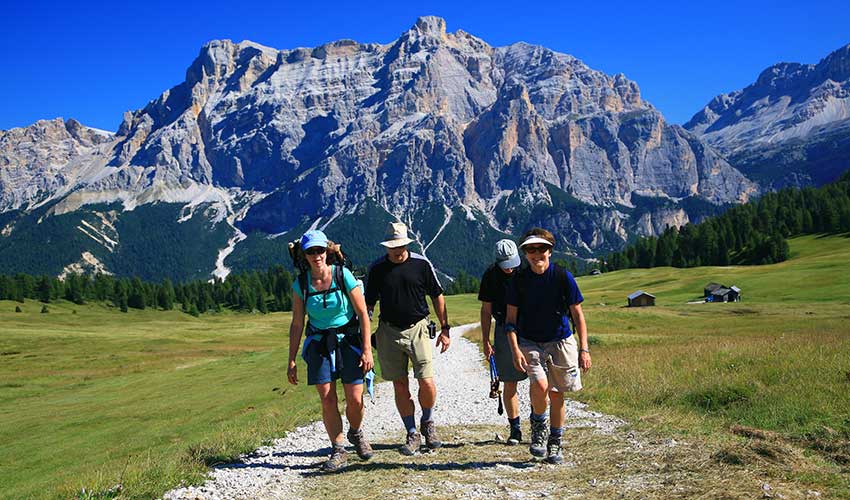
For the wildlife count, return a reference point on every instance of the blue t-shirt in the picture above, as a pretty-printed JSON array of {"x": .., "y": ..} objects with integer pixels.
[
  {"x": 543, "y": 317},
  {"x": 331, "y": 310}
]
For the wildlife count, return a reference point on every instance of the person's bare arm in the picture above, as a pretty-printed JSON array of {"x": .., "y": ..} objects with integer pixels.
[
  {"x": 443, "y": 339},
  {"x": 486, "y": 318},
  {"x": 520, "y": 362},
  {"x": 295, "y": 330},
  {"x": 584, "y": 361},
  {"x": 359, "y": 303}
]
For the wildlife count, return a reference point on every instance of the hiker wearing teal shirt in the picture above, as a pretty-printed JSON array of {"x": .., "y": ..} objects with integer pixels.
[{"x": 337, "y": 343}]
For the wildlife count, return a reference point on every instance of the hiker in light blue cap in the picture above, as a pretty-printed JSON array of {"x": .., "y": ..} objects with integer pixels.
[
  {"x": 337, "y": 345},
  {"x": 494, "y": 287}
]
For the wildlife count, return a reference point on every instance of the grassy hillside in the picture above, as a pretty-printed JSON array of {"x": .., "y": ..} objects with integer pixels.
[{"x": 816, "y": 272}]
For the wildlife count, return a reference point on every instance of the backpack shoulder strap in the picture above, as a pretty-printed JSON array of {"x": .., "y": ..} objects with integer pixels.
[
  {"x": 302, "y": 284},
  {"x": 339, "y": 277}
]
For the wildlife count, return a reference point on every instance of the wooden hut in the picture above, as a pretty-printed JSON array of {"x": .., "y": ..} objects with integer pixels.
[{"x": 641, "y": 299}]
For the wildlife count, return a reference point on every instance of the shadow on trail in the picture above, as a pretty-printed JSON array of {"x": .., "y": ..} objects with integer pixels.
[
  {"x": 320, "y": 452},
  {"x": 445, "y": 466},
  {"x": 266, "y": 465}
]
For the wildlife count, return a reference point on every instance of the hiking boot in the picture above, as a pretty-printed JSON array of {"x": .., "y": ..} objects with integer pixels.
[
  {"x": 429, "y": 431},
  {"x": 361, "y": 445},
  {"x": 553, "y": 451},
  {"x": 516, "y": 436},
  {"x": 412, "y": 444},
  {"x": 539, "y": 433},
  {"x": 336, "y": 461}
]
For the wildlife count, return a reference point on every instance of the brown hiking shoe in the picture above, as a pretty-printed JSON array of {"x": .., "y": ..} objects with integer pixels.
[
  {"x": 429, "y": 432},
  {"x": 412, "y": 444},
  {"x": 336, "y": 461},
  {"x": 361, "y": 445}
]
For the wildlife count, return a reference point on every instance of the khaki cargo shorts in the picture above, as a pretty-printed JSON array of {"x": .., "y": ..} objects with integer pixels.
[
  {"x": 556, "y": 362},
  {"x": 396, "y": 347}
]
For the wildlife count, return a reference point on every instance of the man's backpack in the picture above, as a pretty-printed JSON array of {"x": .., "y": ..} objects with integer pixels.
[{"x": 334, "y": 257}]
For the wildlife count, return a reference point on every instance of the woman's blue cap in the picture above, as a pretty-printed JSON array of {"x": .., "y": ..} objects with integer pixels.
[{"x": 314, "y": 238}]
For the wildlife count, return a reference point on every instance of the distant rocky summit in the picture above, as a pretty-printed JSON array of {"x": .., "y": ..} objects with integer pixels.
[
  {"x": 790, "y": 127},
  {"x": 465, "y": 142}
]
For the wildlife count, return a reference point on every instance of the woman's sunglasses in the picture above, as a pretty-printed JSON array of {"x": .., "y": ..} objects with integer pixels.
[
  {"x": 315, "y": 250},
  {"x": 536, "y": 249}
]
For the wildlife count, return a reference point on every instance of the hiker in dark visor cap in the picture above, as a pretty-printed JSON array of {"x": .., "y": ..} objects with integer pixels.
[{"x": 543, "y": 300}]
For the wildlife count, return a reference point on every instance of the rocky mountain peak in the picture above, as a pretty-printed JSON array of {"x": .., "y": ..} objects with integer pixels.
[
  {"x": 430, "y": 26},
  {"x": 783, "y": 75},
  {"x": 836, "y": 66}
]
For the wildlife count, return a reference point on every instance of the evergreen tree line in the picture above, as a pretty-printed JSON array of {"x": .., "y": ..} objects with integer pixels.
[
  {"x": 750, "y": 234},
  {"x": 464, "y": 283},
  {"x": 250, "y": 291}
]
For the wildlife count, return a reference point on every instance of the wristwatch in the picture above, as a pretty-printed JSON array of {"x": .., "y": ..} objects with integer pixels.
[{"x": 445, "y": 328}]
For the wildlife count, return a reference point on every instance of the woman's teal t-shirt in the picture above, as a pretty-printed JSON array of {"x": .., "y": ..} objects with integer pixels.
[{"x": 331, "y": 310}]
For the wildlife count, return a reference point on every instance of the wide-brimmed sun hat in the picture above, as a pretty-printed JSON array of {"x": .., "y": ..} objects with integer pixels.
[
  {"x": 507, "y": 255},
  {"x": 396, "y": 235},
  {"x": 314, "y": 238}
]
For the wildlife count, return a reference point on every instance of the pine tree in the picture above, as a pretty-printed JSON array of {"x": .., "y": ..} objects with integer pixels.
[
  {"x": 136, "y": 295},
  {"x": 166, "y": 295},
  {"x": 45, "y": 289}
]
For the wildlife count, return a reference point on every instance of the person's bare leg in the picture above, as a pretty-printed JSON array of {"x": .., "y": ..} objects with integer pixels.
[
  {"x": 427, "y": 393},
  {"x": 556, "y": 411},
  {"x": 539, "y": 390},
  {"x": 403, "y": 398},
  {"x": 330, "y": 411},
  {"x": 511, "y": 400},
  {"x": 354, "y": 404}
]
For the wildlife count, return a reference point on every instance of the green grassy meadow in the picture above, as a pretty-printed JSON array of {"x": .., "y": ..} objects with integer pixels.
[
  {"x": 148, "y": 399},
  {"x": 778, "y": 360}
]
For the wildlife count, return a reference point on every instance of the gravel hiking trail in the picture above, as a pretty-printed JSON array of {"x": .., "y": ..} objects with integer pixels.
[{"x": 603, "y": 457}]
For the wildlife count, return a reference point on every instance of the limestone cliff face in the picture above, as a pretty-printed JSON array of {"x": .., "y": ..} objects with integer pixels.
[
  {"x": 791, "y": 126},
  {"x": 45, "y": 158},
  {"x": 432, "y": 118}
]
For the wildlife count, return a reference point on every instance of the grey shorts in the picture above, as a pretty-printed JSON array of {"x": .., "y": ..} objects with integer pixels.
[
  {"x": 504, "y": 356},
  {"x": 556, "y": 362}
]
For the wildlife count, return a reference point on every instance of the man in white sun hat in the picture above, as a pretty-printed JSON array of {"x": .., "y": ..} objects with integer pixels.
[{"x": 401, "y": 280}]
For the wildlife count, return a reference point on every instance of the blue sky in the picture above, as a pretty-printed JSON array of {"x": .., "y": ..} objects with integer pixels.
[{"x": 94, "y": 60}]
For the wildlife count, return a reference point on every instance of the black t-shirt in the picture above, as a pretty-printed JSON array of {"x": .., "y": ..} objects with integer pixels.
[
  {"x": 494, "y": 289},
  {"x": 402, "y": 288},
  {"x": 538, "y": 297}
]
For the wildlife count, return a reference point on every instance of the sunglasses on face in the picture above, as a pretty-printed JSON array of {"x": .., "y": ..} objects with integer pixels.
[
  {"x": 315, "y": 251},
  {"x": 536, "y": 249}
]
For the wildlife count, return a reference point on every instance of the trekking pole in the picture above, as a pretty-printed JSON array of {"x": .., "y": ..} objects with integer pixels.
[{"x": 495, "y": 388}]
